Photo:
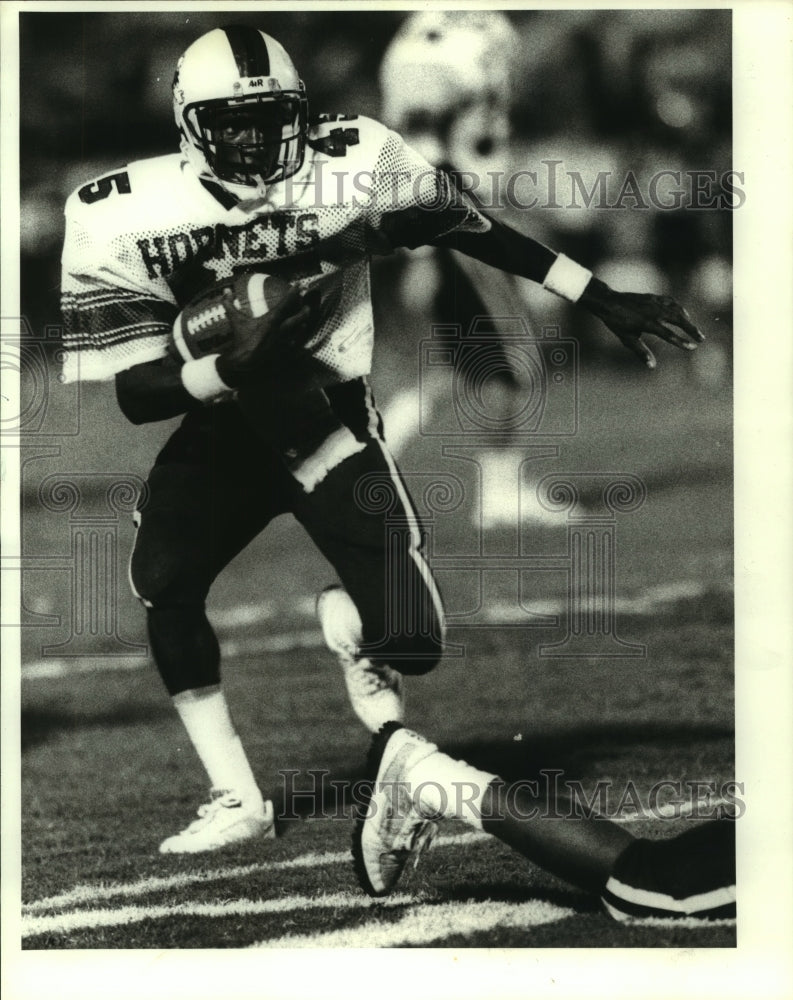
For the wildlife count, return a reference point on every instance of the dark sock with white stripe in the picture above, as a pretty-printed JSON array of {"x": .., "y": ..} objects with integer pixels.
[{"x": 692, "y": 874}]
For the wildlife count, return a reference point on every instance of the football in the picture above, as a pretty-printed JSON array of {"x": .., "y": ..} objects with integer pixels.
[{"x": 203, "y": 327}]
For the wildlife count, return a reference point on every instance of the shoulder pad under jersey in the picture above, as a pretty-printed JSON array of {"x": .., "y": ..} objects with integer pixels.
[{"x": 126, "y": 198}]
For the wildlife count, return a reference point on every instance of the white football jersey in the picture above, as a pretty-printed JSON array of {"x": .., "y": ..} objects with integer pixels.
[{"x": 143, "y": 241}]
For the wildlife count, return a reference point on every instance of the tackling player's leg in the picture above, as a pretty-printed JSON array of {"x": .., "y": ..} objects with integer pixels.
[{"x": 690, "y": 876}]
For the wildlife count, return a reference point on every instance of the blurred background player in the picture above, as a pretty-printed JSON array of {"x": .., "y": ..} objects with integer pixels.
[{"x": 447, "y": 80}]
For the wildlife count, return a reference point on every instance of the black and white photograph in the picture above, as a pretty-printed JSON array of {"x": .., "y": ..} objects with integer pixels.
[{"x": 395, "y": 451}]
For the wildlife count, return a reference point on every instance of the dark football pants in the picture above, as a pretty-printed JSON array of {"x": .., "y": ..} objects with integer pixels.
[{"x": 216, "y": 485}]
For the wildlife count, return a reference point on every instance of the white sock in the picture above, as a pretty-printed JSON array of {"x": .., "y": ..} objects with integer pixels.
[
  {"x": 450, "y": 788},
  {"x": 206, "y": 718}
]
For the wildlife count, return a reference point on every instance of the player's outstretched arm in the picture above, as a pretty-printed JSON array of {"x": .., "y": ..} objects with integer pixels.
[{"x": 630, "y": 316}]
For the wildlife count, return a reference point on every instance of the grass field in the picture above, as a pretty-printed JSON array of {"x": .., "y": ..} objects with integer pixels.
[{"x": 107, "y": 772}]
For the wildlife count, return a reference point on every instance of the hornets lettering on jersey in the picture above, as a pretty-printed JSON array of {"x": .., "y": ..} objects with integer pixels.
[{"x": 142, "y": 242}]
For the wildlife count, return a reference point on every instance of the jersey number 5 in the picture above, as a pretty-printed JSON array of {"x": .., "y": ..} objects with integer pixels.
[{"x": 100, "y": 189}]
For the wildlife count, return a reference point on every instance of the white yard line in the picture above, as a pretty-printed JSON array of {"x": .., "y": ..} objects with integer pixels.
[
  {"x": 76, "y": 920},
  {"x": 647, "y": 602},
  {"x": 282, "y": 642},
  {"x": 88, "y": 895},
  {"x": 418, "y": 926},
  {"x": 51, "y": 669},
  {"x": 428, "y": 924}
]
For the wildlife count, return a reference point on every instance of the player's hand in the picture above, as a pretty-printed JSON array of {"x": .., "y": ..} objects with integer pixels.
[
  {"x": 631, "y": 316},
  {"x": 266, "y": 345}
]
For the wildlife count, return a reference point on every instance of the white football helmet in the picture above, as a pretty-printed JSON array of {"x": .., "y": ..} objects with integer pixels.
[
  {"x": 240, "y": 107},
  {"x": 446, "y": 81}
]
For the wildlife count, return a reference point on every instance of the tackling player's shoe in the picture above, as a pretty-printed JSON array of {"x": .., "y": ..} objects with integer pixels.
[
  {"x": 389, "y": 827},
  {"x": 689, "y": 877},
  {"x": 375, "y": 690},
  {"x": 222, "y": 821}
]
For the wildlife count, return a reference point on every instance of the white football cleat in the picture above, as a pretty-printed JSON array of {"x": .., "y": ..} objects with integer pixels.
[
  {"x": 222, "y": 821},
  {"x": 375, "y": 690},
  {"x": 389, "y": 827}
]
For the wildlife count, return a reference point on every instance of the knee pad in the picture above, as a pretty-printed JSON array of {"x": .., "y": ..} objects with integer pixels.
[{"x": 162, "y": 573}]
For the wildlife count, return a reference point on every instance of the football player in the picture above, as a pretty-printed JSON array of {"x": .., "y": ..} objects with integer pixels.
[
  {"x": 446, "y": 81},
  {"x": 257, "y": 186},
  {"x": 412, "y": 784}
]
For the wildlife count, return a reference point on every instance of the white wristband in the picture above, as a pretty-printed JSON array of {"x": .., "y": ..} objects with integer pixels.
[
  {"x": 567, "y": 279},
  {"x": 201, "y": 379}
]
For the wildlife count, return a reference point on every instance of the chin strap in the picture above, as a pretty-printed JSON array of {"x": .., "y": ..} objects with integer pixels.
[
  {"x": 219, "y": 192},
  {"x": 226, "y": 192}
]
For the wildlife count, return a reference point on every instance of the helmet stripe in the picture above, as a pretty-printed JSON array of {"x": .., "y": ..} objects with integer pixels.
[{"x": 249, "y": 49}]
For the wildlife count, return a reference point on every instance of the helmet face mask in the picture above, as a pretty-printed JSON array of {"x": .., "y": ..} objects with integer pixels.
[
  {"x": 252, "y": 139},
  {"x": 241, "y": 108}
]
